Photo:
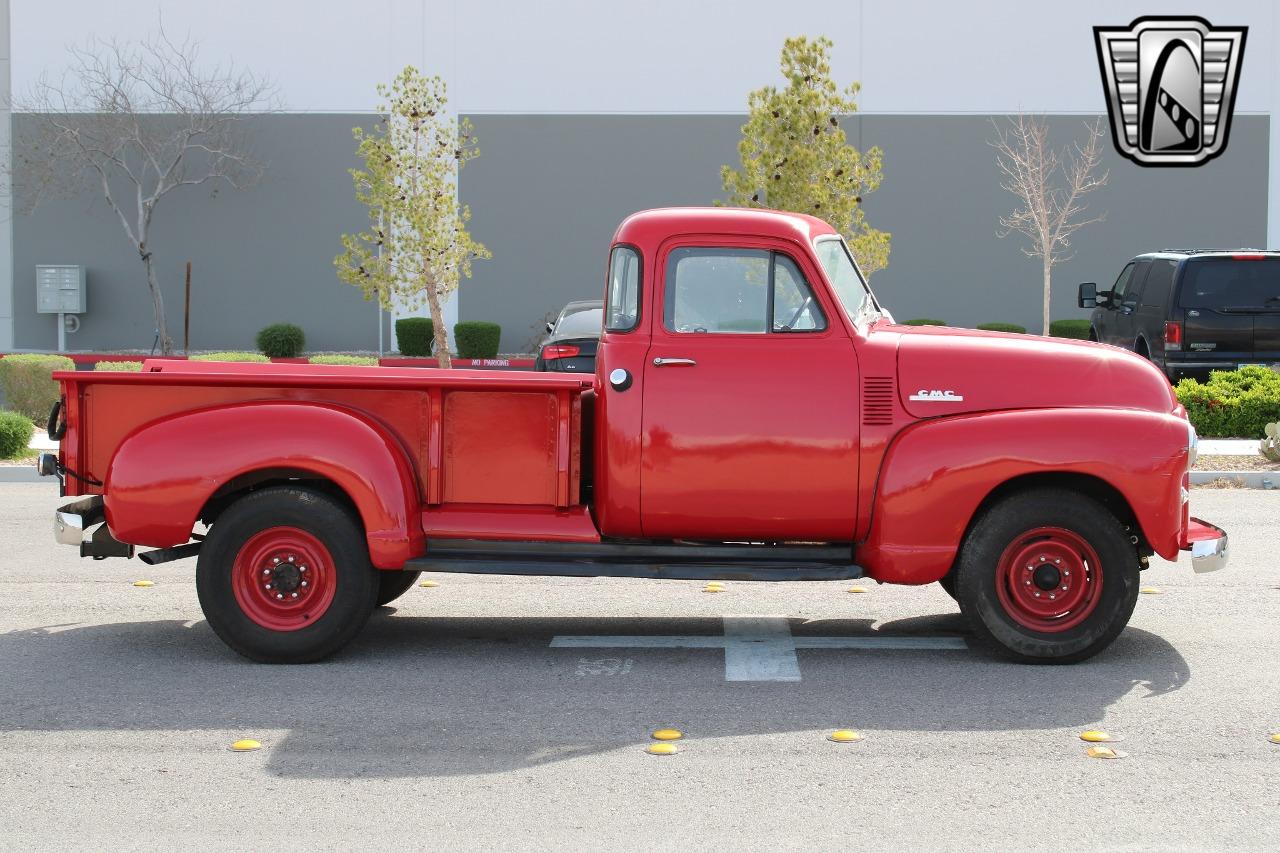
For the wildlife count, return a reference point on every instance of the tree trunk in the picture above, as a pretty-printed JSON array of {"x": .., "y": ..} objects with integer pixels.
[
  {"x": 437, "y": 324},
  {"x": 157, "y": 302},
  {"x": 1048, "y": 269}
]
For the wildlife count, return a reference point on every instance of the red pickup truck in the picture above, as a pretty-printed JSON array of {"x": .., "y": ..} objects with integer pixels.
[{"x": 754, "y": 415}]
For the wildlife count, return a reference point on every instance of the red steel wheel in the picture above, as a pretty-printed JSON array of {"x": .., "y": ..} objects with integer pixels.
[
  {"x": 284, "y": 578},
  {"x": 1049, "y": 579}
]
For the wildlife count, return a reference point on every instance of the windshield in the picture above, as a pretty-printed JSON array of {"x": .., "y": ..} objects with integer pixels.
[
  {"x": 581, "y": 324},
  {"x": 1219, "y": 283},
  {"x": 852, "y": 291}
]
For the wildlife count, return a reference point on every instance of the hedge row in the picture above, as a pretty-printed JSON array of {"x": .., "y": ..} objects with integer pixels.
[
  {"x": 28, "y": 382},
  {"x": 15, "y": 433},
  {"x": 1233, "y": 403}
]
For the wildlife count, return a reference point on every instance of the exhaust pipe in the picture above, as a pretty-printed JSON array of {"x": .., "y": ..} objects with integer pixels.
[{"x": 165, "y": 555}]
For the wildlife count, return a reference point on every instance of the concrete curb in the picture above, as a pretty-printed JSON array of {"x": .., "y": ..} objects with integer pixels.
[{"x": 1247, "y": 479}]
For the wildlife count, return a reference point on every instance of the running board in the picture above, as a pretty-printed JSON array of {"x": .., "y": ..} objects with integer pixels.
[{"x": 624, "y": 560}]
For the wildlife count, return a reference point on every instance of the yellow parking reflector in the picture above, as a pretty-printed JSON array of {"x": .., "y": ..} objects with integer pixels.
[
  {"x": 713, "y": 587},
  {"x": 662, "y": 749},
  {"x": 144, "y": 583},
  {"x": 1104, "y": 752},
  {"x": 844, "y": 736},
  {"x": 857, "y": 589},
  {"x": 429, "y": 584},
  {"x": 667, "y": 734},
  {"x": 1095, "y": 736},
  {"x": 1151, "y": 590},
  {"x": 245, "y": 745},
  {"x": 1275, "y": 738}
]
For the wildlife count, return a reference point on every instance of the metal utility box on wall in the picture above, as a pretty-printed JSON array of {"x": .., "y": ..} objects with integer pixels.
[{"x": 60, "y": 289}]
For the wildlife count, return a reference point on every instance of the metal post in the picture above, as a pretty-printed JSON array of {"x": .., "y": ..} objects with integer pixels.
[
  {"x": 186, "y": 316},
  {"x": 62, "y": 332}
]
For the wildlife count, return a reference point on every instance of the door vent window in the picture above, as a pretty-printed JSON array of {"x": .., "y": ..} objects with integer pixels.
[{"x": 877, "y": 401}]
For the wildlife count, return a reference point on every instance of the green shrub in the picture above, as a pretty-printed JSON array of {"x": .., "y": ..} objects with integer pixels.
[
  {"x": 231, "y": 356},
  {"x": 924, "y": 321},
  {"x": 1078, "y": 329},
  {"x": 15, "y": 433},
  {"x": 477, "y": 340},
  {"x": 282, "y": 340},
  {"x": 1002, "y": 327},
  {"x": 1233, "y": 403},
  {"x": 28, "y": 382},
  {"x": 132, "y": 366},
  {"x": 360, "y": 360},
  {"x": 415, "y": 336}
]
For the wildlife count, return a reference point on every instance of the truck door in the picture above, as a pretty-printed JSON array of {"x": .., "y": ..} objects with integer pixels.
[{"x": 750, "y": 420}]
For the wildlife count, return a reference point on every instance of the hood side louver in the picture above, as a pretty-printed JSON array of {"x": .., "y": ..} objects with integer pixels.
[{"x": 877, "y": 401}]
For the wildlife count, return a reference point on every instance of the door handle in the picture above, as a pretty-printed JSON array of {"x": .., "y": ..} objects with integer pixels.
[{"x": 674, "y": 362}]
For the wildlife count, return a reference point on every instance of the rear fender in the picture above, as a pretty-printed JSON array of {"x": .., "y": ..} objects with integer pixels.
[
  {"x": 164, "y": 473},
  {"x": 937, "y": 474}
]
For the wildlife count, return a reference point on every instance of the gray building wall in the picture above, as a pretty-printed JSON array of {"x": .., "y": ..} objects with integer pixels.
[
  {"x": 548, "y": 191},
  {"x": 259, "y": 255}
]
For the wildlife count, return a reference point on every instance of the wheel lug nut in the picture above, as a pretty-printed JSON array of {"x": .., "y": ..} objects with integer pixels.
[
  {"x": 268, "y": 586},
  {"x": 304, "y": 583},
  {"x": 290, "y": 558},
  {"x": 1064, "y": 589},
  {"x": 1066, "y": 574},
  {"x": 1052, "y": 597},
  {"x": 1042, "y": 558},
  {"x": 295, "y": 595},
  {"x": 1037, "y": 595},
  {"x": 267, "y": 572},
  {"x": 278, "y": 595},
  {"x": 302, "y": 568},
  {"x": 276, "y": 560}
]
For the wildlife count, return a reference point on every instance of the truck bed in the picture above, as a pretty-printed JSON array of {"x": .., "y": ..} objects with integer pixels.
[{"x": 479, "y": 441}]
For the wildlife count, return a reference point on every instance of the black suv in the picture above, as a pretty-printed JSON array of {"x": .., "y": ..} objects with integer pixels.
[{"x": 1192, "y": 310}]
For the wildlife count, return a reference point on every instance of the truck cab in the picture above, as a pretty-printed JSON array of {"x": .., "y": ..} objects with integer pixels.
[{"x": 755, "y": 415}]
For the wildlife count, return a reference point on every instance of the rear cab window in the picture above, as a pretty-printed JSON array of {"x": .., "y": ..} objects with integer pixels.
[
  {"x": 622, "y": 308},
  {"x": 720, "y": 290}
]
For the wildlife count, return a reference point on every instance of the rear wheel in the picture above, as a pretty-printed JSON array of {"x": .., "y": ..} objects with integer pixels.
[
  {"x": 1048, "y": 576},
  {"x": 392, "y": 585},
  {"x": 284, "y": 576}
]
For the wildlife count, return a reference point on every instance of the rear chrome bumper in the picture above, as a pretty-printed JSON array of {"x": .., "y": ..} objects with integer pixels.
[
  {"x": 1208, "y": 546},
  {"x": 72, "y": 520}
]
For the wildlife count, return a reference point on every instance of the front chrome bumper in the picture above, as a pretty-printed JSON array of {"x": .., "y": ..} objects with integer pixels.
[{"x": 1208, "y": 546}]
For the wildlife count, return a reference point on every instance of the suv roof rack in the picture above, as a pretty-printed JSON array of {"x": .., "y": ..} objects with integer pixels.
[{"x": 1204, "y": 251}]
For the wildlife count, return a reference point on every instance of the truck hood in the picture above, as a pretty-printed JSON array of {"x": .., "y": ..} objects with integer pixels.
[{"x": 944, "y": 371}]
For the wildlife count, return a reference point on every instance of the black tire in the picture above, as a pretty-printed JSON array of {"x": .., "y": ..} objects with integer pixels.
[
  {"x": 948, "y": 583},
  {"x": 392, "y": 585},
  {"x": 351, "y": 578},
  {"x": 1011, "y": 524}
]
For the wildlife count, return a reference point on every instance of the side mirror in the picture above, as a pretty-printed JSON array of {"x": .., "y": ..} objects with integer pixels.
[
  {"x": 1088, "y": 295},
  {"x": 551, "y": 327}
]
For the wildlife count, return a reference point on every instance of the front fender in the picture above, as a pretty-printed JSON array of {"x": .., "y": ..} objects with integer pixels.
[
  {"x": 164, "y": 472},
  {"x": 937, "y": 473}
]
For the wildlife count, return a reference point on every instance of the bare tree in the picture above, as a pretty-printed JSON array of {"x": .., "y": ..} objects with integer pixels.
[
  {"x": 1051, "y": 186},
  {"x": 135, "y": 121}
]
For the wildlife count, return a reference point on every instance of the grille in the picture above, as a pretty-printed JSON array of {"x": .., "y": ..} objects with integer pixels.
[{"x": 877, "y": 401}]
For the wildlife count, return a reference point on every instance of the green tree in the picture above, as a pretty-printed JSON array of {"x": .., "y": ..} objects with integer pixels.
[
  {"x": 417, "y": 247},
  {"x": 795, "y": 155}
]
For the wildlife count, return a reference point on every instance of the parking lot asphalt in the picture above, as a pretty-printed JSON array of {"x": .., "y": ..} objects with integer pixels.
[{"x": 458, "y": 721}]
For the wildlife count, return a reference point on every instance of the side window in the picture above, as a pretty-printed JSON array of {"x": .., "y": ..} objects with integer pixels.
[
  {"x": 737, "y": 291},
  {"x": 623, "y": 308},
  {"x": 717, "y": 290},
  {"x": 1155, "y": 293},
  {"x": 1136, "y": 283},
  {"x": 794, "y": 306},
  {"x": 1122, "y": 283}
]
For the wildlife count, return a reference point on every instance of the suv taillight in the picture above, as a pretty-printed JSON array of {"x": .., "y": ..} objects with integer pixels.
[
  {"x": 1172, "y": 335},
  {"x": 554, "y": 351}
]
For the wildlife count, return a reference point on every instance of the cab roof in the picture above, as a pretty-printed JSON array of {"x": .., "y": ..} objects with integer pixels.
[{"x": 649, "y": 227}]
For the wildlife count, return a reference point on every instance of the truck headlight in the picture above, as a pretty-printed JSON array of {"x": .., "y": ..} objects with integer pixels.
[{"x": 1193, "y": 446}]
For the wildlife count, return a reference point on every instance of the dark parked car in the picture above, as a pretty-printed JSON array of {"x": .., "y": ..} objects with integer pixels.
[
  {"x": 1192, "y": 310},
  {"x": 572, "y": 339}
]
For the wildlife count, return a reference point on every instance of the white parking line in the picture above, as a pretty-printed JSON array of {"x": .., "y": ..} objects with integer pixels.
[{"x": 760, "y": 648}]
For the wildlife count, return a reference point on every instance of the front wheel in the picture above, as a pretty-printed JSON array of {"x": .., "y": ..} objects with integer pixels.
[
  {"x": 284, "y": 576},
  {"x": 1048, "y": 576},
  {"x": 392, "y": 585}
]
